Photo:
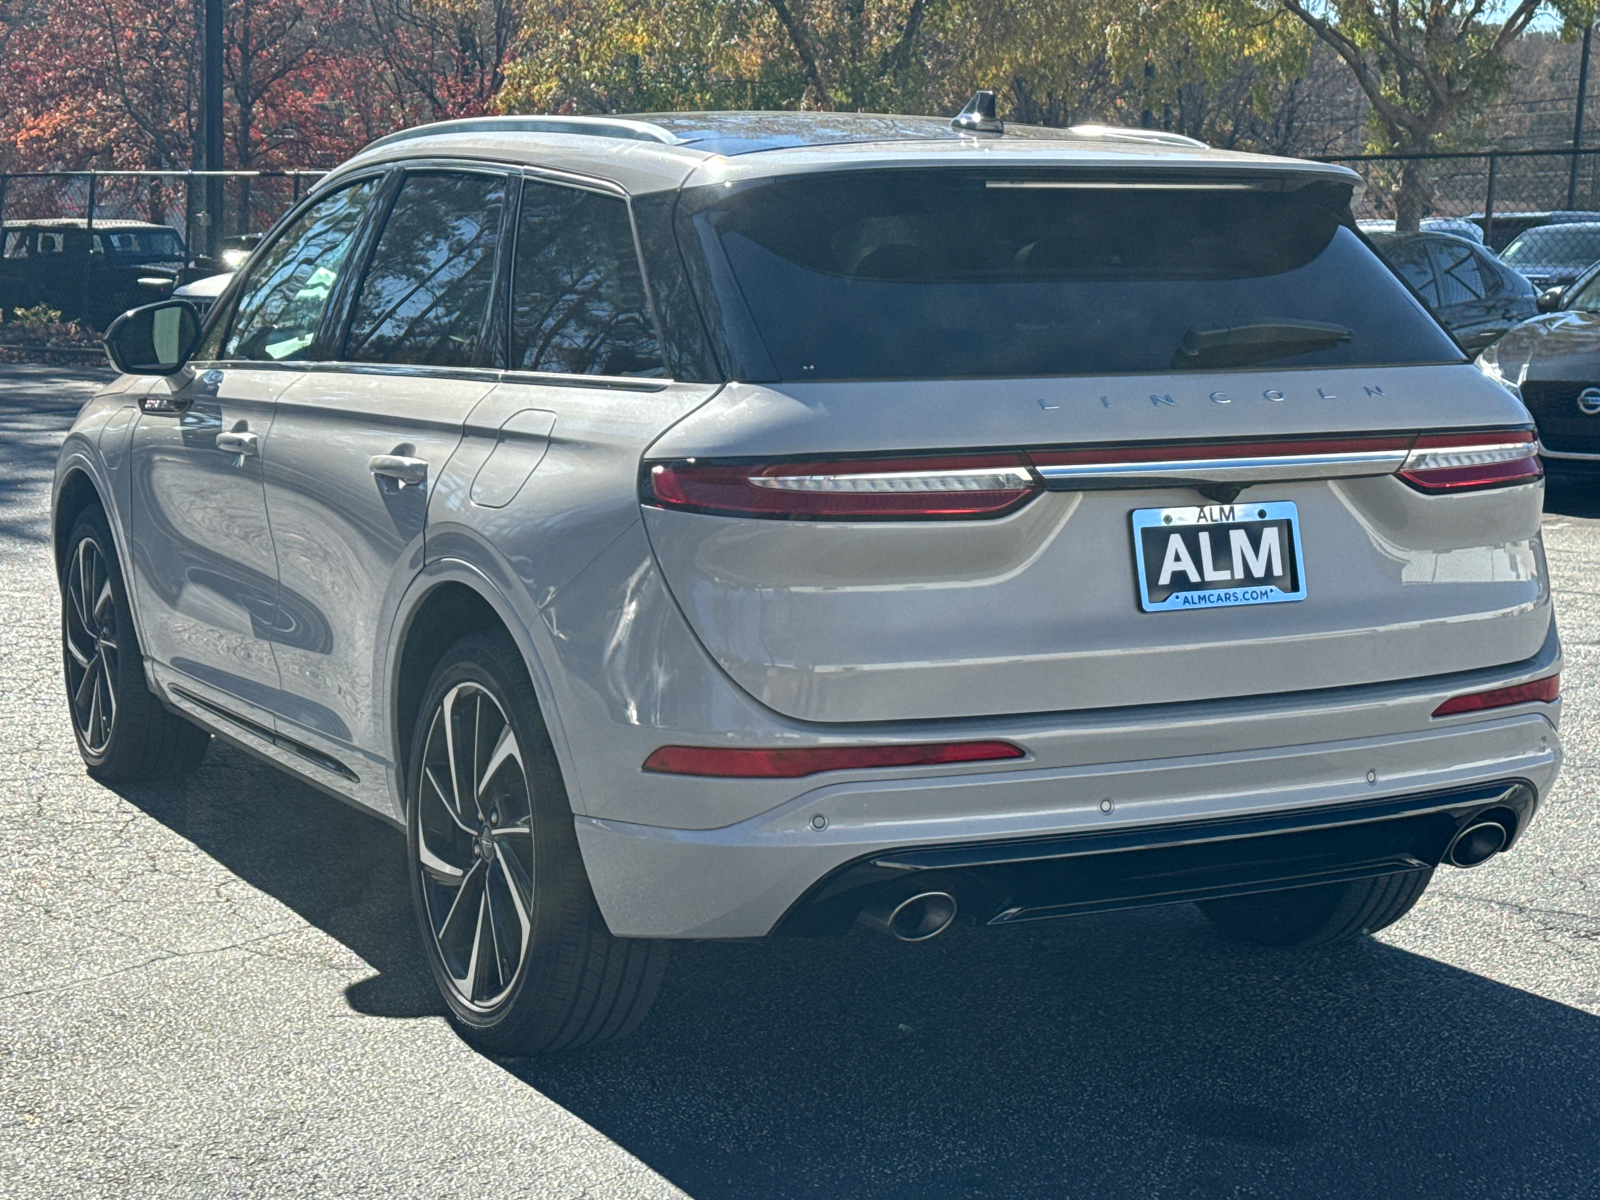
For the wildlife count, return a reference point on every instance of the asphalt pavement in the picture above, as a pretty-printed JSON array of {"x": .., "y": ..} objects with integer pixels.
[{"x": 213, "y": 989}]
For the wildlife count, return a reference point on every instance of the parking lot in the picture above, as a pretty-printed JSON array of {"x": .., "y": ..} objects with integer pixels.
[{"x": 213, "y": 989}]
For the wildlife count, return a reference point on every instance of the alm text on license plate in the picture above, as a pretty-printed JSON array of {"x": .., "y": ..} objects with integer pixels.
[{"x": 1218, "y": 555}]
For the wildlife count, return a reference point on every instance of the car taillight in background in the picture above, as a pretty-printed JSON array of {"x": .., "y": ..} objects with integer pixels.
[
  {"x": 1449, "y": 462},
  {"x": 944, "y": 488}
]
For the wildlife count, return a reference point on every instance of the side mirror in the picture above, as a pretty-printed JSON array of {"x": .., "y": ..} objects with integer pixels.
[
  {"x": 154, "y": 340},
  {"x": 1549, "y": 300}
]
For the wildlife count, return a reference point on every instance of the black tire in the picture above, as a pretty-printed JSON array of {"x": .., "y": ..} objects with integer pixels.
[
  {"x": 1318, "y": 915},
  {"x": 572, "y": 983},
  {"x": 124, "y": 733}
]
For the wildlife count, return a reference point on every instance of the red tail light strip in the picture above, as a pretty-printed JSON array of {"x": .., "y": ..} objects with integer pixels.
[
  {"x": 1544, "y": 690},
  {"x": 948, "y": 488},
  {"x": 975, "y": 486},
  {"x": 730, "y": 762},
  {"x": 1444, "y": 462}
]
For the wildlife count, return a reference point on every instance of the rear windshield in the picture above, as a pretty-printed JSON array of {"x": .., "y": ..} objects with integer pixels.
[
  {"x": 923, "y": 274},
  {"x": 1555, "y": 244}
]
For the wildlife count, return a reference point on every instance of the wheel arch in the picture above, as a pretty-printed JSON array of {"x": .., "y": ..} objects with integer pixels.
[
  {"x": 449, "y": 599},
  {"x": 76, "y": 492}
]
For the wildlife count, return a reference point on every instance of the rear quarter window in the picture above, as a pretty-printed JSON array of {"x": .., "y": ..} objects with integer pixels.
[{"x": 923, "y": 274}]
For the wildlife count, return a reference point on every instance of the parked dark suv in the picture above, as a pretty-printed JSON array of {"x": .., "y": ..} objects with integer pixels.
[{"x": 88, "y": 273}]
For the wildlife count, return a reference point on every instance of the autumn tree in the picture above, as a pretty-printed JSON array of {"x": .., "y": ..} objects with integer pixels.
[
  {"x": 1426, "y": 66},
  {"x": 449, "y": 53}
]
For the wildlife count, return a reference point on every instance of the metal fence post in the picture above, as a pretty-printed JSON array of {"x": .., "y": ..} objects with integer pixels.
[
  {"x": 1488, "y": 199},
  {"x": 3, "y": 181},
  {"x": 89, "y": 220}
]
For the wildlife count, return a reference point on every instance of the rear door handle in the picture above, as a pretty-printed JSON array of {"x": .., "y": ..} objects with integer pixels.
[
  {"x": 239, "y": 442},
  {"x": 404, "y": 471}
]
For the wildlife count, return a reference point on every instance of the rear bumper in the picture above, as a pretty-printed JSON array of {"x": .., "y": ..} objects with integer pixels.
[
  {"x": 1001, "y": 882},
  {"x": 742, "y": 880}
]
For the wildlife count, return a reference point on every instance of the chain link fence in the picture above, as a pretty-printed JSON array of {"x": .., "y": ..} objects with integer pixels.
[
  {"x": 251, "y": 200},
  {"x": 1502, "y": 192}
]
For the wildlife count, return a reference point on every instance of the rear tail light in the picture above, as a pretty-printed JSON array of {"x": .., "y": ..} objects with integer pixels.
[
  {"x": 730, "y": 762},
  {"x": 959, "y": 486},
  {"x": 1450, "y": 462},
  {"x": 1543, "y": 690},
  {"x": 952, "y": 487}
]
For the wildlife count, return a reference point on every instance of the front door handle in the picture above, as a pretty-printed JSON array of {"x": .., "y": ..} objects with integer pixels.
[
  {"x": 239, "y": 442},
  {"x": 404, "y": 471}
]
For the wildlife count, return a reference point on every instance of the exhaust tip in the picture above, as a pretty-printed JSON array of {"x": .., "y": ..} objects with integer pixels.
[
  {"x": 1476, "y": 843},
  {"x": 914, "y": 919}
]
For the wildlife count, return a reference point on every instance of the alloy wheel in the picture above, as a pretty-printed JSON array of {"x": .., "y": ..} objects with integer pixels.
[
  {"x": 92, "y": 645},
  {"x": 475, "y": 845}
]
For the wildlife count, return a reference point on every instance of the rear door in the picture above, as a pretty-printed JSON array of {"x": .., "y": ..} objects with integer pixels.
[
  {"x": 1029, "y": 443},
  {"x": 359, "y": 444}
]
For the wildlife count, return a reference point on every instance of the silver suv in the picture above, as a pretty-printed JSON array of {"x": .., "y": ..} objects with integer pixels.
[{"x": 720, "y": 525}]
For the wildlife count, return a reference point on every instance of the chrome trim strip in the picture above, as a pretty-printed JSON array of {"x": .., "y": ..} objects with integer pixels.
[
  {"x": 1544, "y": 453},
  {"x": 1266, "y": 467},
  {"x": 316, "y": 757}
]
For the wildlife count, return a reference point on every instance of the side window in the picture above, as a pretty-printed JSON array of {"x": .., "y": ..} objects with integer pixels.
[
  {"x": 425, "y": 296},
  {"x": 50, "y": 243},
  {"x": 16, "y": 244},
  {"x": 281, "y": 304},
  {"x": 1410, "y": 259},
  {"x": 1587, "y": 298},
  {"x": 1459, "y": 280},
  {"x": 579, "y": 305}
]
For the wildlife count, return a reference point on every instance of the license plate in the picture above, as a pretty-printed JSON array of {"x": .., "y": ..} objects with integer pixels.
[{"x": 1218, "y": 555}]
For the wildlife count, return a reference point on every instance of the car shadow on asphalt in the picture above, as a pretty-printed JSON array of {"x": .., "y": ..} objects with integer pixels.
[{"x": 1132, "y": 1054}]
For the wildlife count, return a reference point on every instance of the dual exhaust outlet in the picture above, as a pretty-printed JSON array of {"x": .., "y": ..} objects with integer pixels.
[{"x": 924, "y": 915}]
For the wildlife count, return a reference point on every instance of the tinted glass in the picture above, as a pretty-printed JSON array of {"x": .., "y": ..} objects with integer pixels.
[
  {"x": 1587, "y": 297},
  {"x": 1409, "y": 257},
  {"x": 1555, "y": 244},
  {"x": 1459, "y": 280},
  {"x": 147, "y": 243},
  {"x": 579, "y": 305},
  {"x": 426, "y": 292},
  {"x": 922, "y": 274},
  {"x": 281, "y": 303}
]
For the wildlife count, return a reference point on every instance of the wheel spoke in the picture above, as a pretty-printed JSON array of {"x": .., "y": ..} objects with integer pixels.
[
  {"x": 449, "y": 717},
  {"x": 504, "y": 750},
  {"x": 101, "y": 602},
  {"x": 92, "y": 725},
  {"x": 436, "y": 866},
  {"x": 86, "y": 686},
  {"x": 519, "y": 887},
  {"x": 449, "y": 803},
  {"x": 463, "y": 889},
  {"x": 494, "y": 933},
  {"x": 477, "y": 945},
  {"x": 108, "y": 706},
  {"x": 78, "y": 656}
]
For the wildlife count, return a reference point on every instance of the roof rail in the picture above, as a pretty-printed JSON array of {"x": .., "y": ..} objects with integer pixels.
[
  {"x": 1160, "y": 136},
  {"x": 606, "y": 127}
]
